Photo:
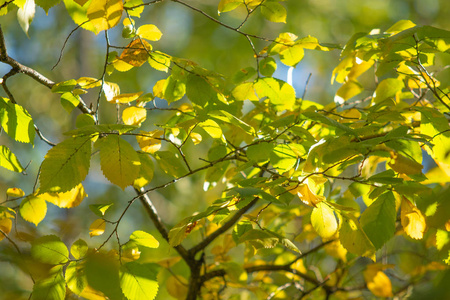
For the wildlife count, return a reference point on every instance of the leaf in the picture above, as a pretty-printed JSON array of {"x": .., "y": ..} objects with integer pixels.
[
  {"x": 50, "y": 288},
  {"x": 134, "y": 115},
  {"x": 413, "y": 221},
  {"x": 348, "y": 90},
  {"x": 212, "y": 128},
  {"x": 280, "y": 93},
  {"x": 119, "y": 162},
  {"x": 15, "y": 192},
  {"x": 16, "y": 121},
  {"x": 105, "y": 14},
  {"x": 65, "y": 165},
  {"x": 199, "y": 90},
  {"x": 225, "y": 116},
  {"x": 68, "y": 199},
  {"x": 292, "y": 55},
  {"x": 75, "y": 277},
  {"x": 323, "y": 220},
  {"x": 47, "y": 4},
  {"x": 307, "y": 196},
  {"x": 387, "y": 88},
  {"x": 283, "y": 158},
  {"x": 126, "y": 98},
  {"x": 100, "y": 209},
  {"x": 159, "y": 61},
  {"x": 377, "y": 282},
  {"x": 79, "y": 249},
  {"x": 102, "y": 273},
  {"x": 84, "y": 120},
  {"x": 9, "y": 160},
  {"x": 25, "y": 15},
  {"x": 149, "y": 32},
  {"x": 69, "y": 101},
  {"x": 378, "y": 220},
  {"x": 78, "y": 13},
  {"x": 144, "y": 239},
  {"x": 261, "y": 152},
  {"x": 171, "y": 89},
  {"x": 49, "y": 250},
  {"x": 136, "y": 53},
  {"x": 354, "y": 239},
  {"x": 267, "y": 66},
  {"x": 245, "y": 91},
  {"x": 273, "y": 11},
  {"x": 145, "y": 172},
  {"x": 405, "y": 165},
  {"x": 228, "y": 5},
  {"x": 177, "y": 287},
  {"x": 150, "y": 142},
  {"x": 33, "y": 209},
  {"x": 5, "y": 227},
  {"x": 138, "y": 281},
  {"x": 330, "y": 122},
  {"x": 97, "y": 227},
  {"x": 170, "y": 163}
]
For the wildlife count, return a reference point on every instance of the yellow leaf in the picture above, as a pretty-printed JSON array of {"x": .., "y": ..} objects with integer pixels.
[
  {"x": 33, "y": 209},
  {"x": 323, "y": 220},
  {"x": 136, "y": 53},
  {"x": 105, "y": 14},
  {"x": 149, "y": 32},
  {"x": 88, "y": 82},
  {"x": 212, "y": 128},
  {"x": 377, "y": 282},
  {"x": 413, "y": 221},
  {"x": 148, "y": 141},
  {"x": 126, "y": 98},
  {"x": 177, "y": 287},
  {"x": 196, "y": 138},
  {"x": 307, "y": 196},
  {"x": 5, "y": 227},
  {"x": 68, "y": 199},
  {"x": 15, "y": 192},
  {"x": 110, "y": 90},
  {"x": 404, "y": 165},
  {"x": 121, "y": 66},
  {"x": 336, "y": 249},
  {"x": 97, "y": 227},
  {"x": 134, "y": 115}
]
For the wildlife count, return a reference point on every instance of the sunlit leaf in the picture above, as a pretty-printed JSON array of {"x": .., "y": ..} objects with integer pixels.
[
  {"x": 138, "y": 281},
  {"x": 16, "y": 121},
  {"x": 126, "y": 98},
  {"x": 245, "y": 91},
  {"x": 273, "y": 11},
  {"x": 5, "y": 227},
  {"x": 9, "y": 160},
  {"x": 159, "y": 61},
  {"x": 100, "y": 209},
  {"x": 68, "y": 199},
  {"x": 49, "y": 249},
  {"x": 78, "y": 13},
  {"x": 413, "y": 221},
  {"x": 324, "y": 221},
  {"x": 307, "y": 196},
  {"x": 25, "y": 15},
  {"x": 97, "y": 227},
  {"x": 33, "y": 209},
  {"x": 144, "y": 239},
  {"x": 171, "y": 163},
  {"x": 377, "y": 281},
  {"x": 136, "y": 53},
  {"x": 387, "y": 88},
  {"x": 212, "y": 128},
  {"x": 15, "y": 192},
  {"x": 75, "y": 277},
  {"x": 146, "y": 171},
  {"x": 119, "y": 161},
  {"x": 65, "y": 165},
  {"x": 105, "y": 14},
  {"x": 291, "y": 56},
  {"x": 149, "y": 32},
  {"x": 134, "y": 115},
  {"x": 280, "y": 93},
  {"x": 149, "y": 142},
  {"x": 354, "y": 239},
  {"x": 283, "y": 158},
  {"x": 51, "y": 288},
  {"x": 267, "y": 66},
  {"x": 228, "y": 5}
]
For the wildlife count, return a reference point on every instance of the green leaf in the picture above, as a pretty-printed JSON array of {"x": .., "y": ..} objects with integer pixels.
[
  {"x": 328, "y": 121},
  {"x": 138, "y": 281},
  {"x": 90, "y": 130},
  {"x": 280, "y": 93},
  {"x": 378, "y": 220},
  {"x": 100, "y": 209},
  {"x": 323, "y": 220},
  {"x": 354, "y": 239},
  {"x": 144, "y": 239},
  {"x": 241, "y": 228},
  {"x": 65, "y": 165},
  {"x": 225, "y": 116},
  {"x": 84, "y": 120},
  {"x": 283, "y": 158},
  {"x": 199, "y": 90},
  {"x": 267, "y": 66},
  {"x": 387, "y": 88},
  {"x": 9, "y": 160},
  {"x": 47, "y": 4},
  {"x": 52, "y": 287},
  {"x": 170, "y": 163},
  {"x": 79, "y": 249},
  {"x": 78, "y": 13},
  {"x": 33, "y": 209},
  {"x": 273, "y": 11},
  {"x": 75, "y": 277},
  {"x": 228, "y": 5},
  {"x": 102, "y": 273},
  {"x": 159, "y": 61},
  {"x": 69, "y": 101},
  {"x": 173, "y": 89},
  {"x": 119, "y": 161},
  {"x": 49, "y": 250},
  {"x": 260, "y": 152},
  {"x": 386, "y": 177},
  {"x": 16, "y": 121}
]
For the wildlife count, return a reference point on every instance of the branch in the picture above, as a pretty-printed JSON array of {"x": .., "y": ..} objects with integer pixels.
[{"x": 210, "y": 238}]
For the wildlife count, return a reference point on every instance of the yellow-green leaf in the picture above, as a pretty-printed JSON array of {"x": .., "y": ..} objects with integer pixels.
[
  {"x": 144, "y": 239},
  {"x": 134, "y": 115},
  {"x": 16, "y": 121},
  {"x": 228, "y": 5},
  {"x": 212, "y": 128},
  {"x": 273, "y": 11},
  {"x": 323, "y": 220},
  {"x": 354, "y": 239},
  {"x": 105, "y": 14},
  {"x": 118, "y": 160},
  {"x": 159, "y": 61},
  {"x": 97, "y": 227},
  {"x": 413, "y": 221},
  {"x": 9, "y": 160},
  {"x": 146, "y": 171},
  {"x": 149, "y": 142},
  {"x": 33, "y": 209},
  {"x": 149, "y": 32}
]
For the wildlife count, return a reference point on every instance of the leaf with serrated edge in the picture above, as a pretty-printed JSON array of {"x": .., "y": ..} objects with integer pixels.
[
  {"x": 49, "y": 249},
  {"x": 119, "y": 161}
]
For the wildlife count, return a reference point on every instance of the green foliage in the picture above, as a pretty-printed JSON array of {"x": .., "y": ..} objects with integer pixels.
[{"x": 292, "y": 188}]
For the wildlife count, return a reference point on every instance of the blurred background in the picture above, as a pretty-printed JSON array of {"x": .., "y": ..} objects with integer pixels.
[{"x": 186, "y": 34}]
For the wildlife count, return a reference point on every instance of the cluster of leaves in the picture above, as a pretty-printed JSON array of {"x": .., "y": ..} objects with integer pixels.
[{"x": 348, "y": 174}]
